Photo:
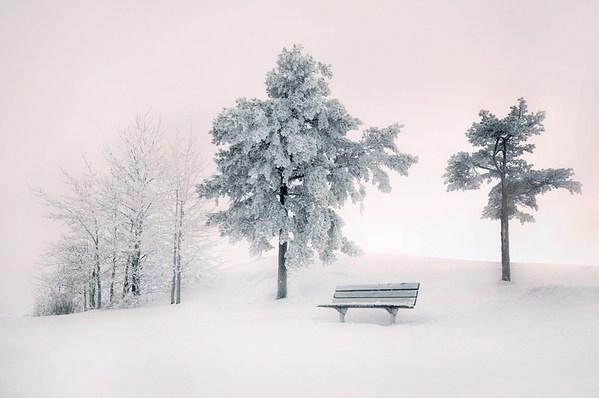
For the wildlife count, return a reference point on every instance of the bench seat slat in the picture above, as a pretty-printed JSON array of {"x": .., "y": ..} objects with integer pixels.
[
  {"x": 376, "y": 293},
  {"x": 381, "y": 286},
  {"x": 364, "y": 305},
  {"x": 382, "y": 300}
]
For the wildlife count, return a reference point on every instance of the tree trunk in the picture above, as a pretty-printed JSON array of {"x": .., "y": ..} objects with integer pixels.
[
  {"x": 282, "y": 272},
  {"x": 178, "y": 300},
  {"x": 179, "y": 245},
  {"x": 98, "y": 276},
  {"x": 135, "y": 275},
  {"x": 114, "y": 240},
  {"x": 174, "y": 279},
  {"x": 92, "y": 289},
  {"x": 505, "y": 222},
  {"x": 505, "y": 248},
  {"x": 128, "y": 264},
  {"x": 173, "y": 286},
  {"x": 282, "y": 269},
  {"x": 112, "y": 276},
  {"x": 84, "y": 298},
  {"x": 136, "y": 262},
  {"x": 126, "y": 277}
]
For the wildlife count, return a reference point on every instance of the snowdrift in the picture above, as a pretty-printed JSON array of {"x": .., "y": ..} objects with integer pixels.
[{"x": 469, "y": 336}]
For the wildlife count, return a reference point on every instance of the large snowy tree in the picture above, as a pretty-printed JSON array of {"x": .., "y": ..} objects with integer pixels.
[
  {"x": 286, "y": 164},
  {"x": 502, "y": 143}
]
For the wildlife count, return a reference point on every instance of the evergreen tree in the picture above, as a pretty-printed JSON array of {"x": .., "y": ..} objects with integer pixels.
[
  {"x": 502, "y": 144},
  {"x": 285, "y": 163}
]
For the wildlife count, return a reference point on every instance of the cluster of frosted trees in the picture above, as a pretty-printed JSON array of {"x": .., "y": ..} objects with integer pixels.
[
  {"x": 285, "y": 164},
  {"x": 131, "y": 233}
]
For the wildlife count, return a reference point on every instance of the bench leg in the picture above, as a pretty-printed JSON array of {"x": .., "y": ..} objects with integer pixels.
[
  {"x": 392, "y": 314},
  {"x": 342, "y": 312}
]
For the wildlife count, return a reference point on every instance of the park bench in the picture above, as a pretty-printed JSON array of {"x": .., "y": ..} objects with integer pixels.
[{"x": 388, "y": 296}]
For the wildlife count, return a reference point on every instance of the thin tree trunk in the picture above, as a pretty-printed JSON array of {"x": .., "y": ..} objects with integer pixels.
[
  {"x": 136, "y": 262},
  {"x": 126, "y": 277},
  {"x": 114, "y": 246},
  {"x": 84, "y": 298},
  {"x": 98, "y": 276},
  {"x": 112, "y": 275},
  {"x": 179, "y": 244},
  {"x": 174, "y": 279},
  {"x": 179, "y": 284},
  {"x": 135, "y": 288},
  {"x": 173, "y": 285},
  {"x": 92, "y": 289},
  {"x": 98, "y": 285}
]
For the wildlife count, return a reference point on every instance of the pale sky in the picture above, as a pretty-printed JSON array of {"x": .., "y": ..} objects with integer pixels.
[{"x": 73, "y": 73}]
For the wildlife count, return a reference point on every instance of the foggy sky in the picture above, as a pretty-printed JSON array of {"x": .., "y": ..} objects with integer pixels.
[{"x": 72, "y": 74}]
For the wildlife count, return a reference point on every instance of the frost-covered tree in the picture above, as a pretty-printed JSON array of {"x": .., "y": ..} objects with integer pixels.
[
  {"x": 114, "y": 231},
  {"x": 135, "y": 169},
  {"x": 502, "y": 143},
  {"x": 79, "y": 209},
  {"x": 190, "y": 242},
  {"x": 67, "y": 286},
  {"x": 286, "y": 164},
  {"x": 139, "y": 229}
]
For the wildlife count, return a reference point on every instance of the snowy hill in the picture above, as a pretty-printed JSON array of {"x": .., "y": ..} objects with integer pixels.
[{"x": 469, "y": 336}]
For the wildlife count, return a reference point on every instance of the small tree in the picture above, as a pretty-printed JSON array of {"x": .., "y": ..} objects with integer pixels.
[
  {"x": 286, "y": 164},
  {"x": 184, "y": 214},
  {"x": 68, "y": 276},
  {"x": 80, "y": 211},
  {"x": 502, "y": 143}
]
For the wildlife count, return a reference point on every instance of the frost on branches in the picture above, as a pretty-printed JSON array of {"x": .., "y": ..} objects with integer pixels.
[
  {"x": 502, "y": 143},
  {"x": 133, "y": 233},
  {"x": 285, "y": 163}
]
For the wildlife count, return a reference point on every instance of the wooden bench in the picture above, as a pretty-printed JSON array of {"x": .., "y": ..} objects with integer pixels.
[{"x": 388, "y": 296}]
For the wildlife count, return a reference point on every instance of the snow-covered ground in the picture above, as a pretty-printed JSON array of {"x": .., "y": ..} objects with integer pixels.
[{"x": 469, "y": 336}]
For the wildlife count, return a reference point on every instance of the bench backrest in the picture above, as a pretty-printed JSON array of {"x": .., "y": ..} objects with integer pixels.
[{"x": 385, "y": 293}]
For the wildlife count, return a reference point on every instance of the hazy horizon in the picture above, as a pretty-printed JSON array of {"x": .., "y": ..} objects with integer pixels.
[{"x": 74, "y": 74}]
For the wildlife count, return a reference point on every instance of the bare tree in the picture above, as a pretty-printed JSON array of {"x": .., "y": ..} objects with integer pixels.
[
  {"x": 192, "y": 240},
  {"x": 135, "y": 166},
  {"x": 79, "y": 210},
  {"x": 140, "y": 227}
]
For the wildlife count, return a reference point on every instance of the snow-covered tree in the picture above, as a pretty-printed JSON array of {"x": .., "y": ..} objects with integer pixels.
[
  {"x": 80, "y": 210},
  {"x": 67, "y": 285},
  {"x": 286, "y": 164},
  {"x": 183, "y": 214},
  {"x": 116, "y": 247},
  {"x": 135, "y": 169},
  {"x": 140, "y": 227},
  {"x": 502, "y": 143}
]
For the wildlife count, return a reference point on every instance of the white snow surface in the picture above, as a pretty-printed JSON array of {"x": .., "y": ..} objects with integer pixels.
[{"x": 469, "y": 336}]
